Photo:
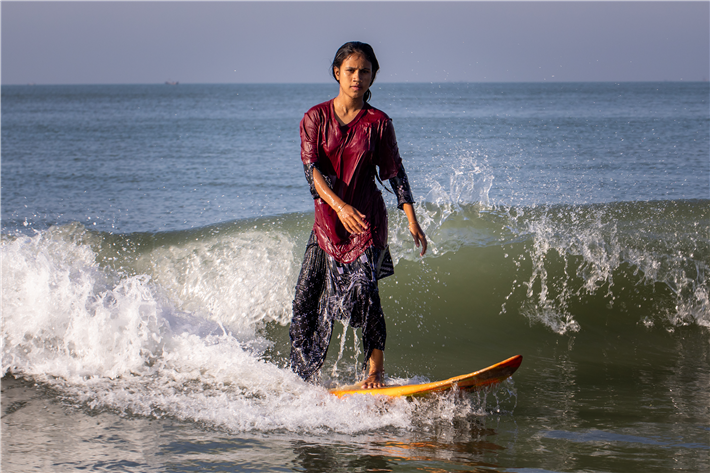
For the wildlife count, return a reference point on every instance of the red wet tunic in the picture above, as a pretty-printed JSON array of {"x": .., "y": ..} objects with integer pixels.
[{"x": 347, "y": 156}]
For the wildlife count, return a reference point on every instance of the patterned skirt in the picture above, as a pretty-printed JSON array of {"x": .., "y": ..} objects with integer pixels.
[{"x": 328, "y": 291}]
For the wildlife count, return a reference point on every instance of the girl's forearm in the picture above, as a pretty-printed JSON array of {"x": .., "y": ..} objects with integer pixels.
[
  {"x": 410, "y": 213},
  {"x": 349, "y": 216},
  {"x": 326, "y": 193}
]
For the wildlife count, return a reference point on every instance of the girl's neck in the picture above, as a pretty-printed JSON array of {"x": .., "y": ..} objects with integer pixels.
[{"x": 346, "y": 106}]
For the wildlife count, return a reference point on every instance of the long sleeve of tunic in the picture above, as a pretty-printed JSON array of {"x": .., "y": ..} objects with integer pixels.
[{"x": 348, "y": 157}]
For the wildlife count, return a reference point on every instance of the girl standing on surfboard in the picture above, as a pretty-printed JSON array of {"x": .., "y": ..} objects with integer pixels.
[{"x": 344, "y": 143}]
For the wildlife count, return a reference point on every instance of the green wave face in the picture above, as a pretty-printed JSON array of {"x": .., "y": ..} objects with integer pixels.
[{"x": 494, "y": 280}]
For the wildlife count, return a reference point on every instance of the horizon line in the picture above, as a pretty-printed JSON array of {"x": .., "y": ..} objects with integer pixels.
[{"x": 177, "y": 83}]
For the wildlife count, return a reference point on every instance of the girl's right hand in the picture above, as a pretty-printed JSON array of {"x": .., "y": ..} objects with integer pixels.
[{"x": 352, "y": 219}]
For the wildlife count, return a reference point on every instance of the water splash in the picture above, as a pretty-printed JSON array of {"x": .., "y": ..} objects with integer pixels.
[
  {"x": 457, "y": 192},
  {"x": 580, "y": 251},
  {"x": 109, "y": 338}
]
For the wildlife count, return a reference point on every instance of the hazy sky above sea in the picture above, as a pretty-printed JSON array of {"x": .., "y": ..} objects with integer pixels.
[{"x": 294, "y": 42}]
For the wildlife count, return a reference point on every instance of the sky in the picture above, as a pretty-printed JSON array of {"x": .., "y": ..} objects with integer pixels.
[{"x": 294, "y": 42}]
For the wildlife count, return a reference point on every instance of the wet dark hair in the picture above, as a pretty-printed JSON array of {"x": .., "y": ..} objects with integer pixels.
[{"x": 350, "y": 48}]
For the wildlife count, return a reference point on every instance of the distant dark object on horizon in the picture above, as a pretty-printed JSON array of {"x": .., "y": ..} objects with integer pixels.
[{"x": 169, "y": 82}]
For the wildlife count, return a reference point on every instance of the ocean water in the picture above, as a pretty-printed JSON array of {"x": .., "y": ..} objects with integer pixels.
[{"x": 152, "y": 235}]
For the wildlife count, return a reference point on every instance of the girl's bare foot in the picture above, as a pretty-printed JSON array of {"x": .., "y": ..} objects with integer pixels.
[
  {"x": 377, "y": 371},
  {"x": 374, "y": 380}
]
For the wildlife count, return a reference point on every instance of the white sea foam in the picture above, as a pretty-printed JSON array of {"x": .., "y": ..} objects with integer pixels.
[
  {"x": 240, "y": 279},
  {"x": 159, "y": 345}
]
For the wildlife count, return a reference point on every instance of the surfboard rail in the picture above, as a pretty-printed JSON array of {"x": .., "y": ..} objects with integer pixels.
[{"x": 487, "y": 376}]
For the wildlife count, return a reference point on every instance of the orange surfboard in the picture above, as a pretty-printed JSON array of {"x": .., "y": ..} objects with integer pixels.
[{"x": 488, "y": 376}]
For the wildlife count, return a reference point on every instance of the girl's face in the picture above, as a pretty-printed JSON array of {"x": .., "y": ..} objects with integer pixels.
[{"x": 354, "y": 75}]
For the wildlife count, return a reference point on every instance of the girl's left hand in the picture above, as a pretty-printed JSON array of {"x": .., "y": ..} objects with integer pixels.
[{"x": 419, "y": 236}]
